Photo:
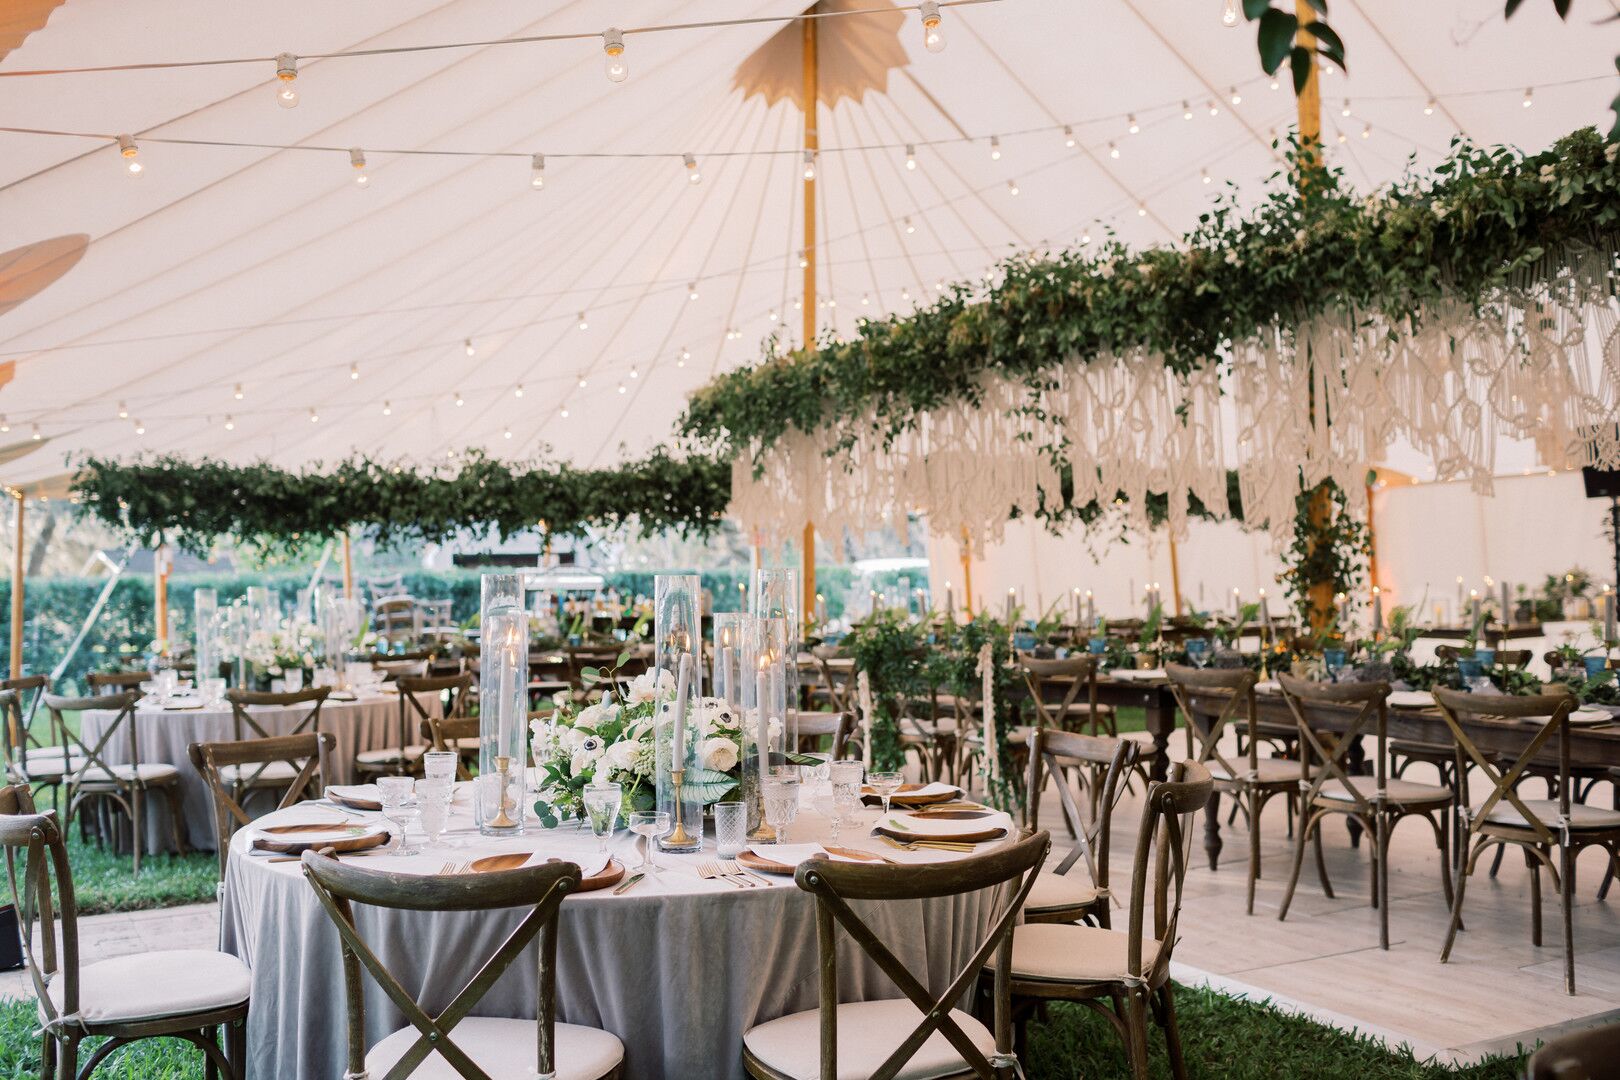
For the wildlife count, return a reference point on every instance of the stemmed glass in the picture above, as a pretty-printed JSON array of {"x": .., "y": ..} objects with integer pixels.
[
  {"x": 399, "y": 806},
  {"x": 781, "y": 790},
  {"x": 828, "y": 806},
  {"x": 649, "y": 825},
  {"x": 885, "y": 783},
  {"x": 602, "y": 803},
  {"x": 1198, "y": 651},
  {"x": 433, "y": 805}
]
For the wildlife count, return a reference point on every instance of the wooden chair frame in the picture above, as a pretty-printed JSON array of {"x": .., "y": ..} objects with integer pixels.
[
  {"x": 308, "y": 752},
  {"x": 834, "y": 884},
  {"x": 247, "y": 728},
  {"x": 1051, "y": 752},
  {"x": 459, "y": 688},
  {"x": 38, "y": 839},
  {"x": 19, "y": 738},
  {"x": 115, "y": 682},
  {"x": 339, "y": 886},
  {"x": 1080, "y": 672},
  {"x": 1536, "y": 837},
  {"x": 1378, "y": 815},
  {"x": 840, "y": 687},
  {"x": 815, "y": 726},
  {"x": 446, "y": 733},
  {"x": 128, "y": 795}
]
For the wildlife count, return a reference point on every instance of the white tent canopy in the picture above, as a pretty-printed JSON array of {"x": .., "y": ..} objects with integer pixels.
[{"x": 341, "y": 312}]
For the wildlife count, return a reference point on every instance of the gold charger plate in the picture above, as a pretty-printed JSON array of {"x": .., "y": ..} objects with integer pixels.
[
  {"x": 362, "y": 841},
  {"x": 967, "y": 836},
  {"x": 771, "y": 866},
  {"x": 610, "y": 875},
  {"x": 907, "y": 795}
]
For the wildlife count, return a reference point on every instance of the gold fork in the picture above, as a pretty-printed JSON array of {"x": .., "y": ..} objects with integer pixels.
[{"x": 708, "y": 871}]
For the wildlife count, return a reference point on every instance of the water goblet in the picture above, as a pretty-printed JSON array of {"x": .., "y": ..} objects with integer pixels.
[
  {"x": 649, "y": 825},
  {"x": 399, "y": 806},
  {"x": 781, "y": 792},
  {"x": 885, "y": 783},
  {"x": 433, "y": 806},
  {"x": 602, "y": 802},
  {"x": 730, "y": 829},
  {"x": 439, "y": 765},
  {"x": 827, "y": 806}
]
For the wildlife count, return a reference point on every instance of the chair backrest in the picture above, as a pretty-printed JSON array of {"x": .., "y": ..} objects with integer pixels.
[
  {"x": 840, "y": 685},
  {"x": 30, "y": 690},
  {"x": 844, "y": 742},
  {"x": 1235, "y": 686},
  {"x": 18, "y": 737},
  {"x": 247, "y": 727},
  {"x": 412, "y": 712},
  {"x": 309, "y": 753},
  {"x": 1578, "y": 1055},
  {"x": 123, "y": 707},
  {"x": 115, "y": 682},
  {"x": 1164, "y": 842},
  {"x": 1328, "y": 737},
  {"x": 1463, "y": 709},
  {"x": 1050, "y": 753},
  {"x": 339, "y": 886},
  {"x": 1056, "y": 685},
  {"x": 1010, "y": 871},
  {"x": 815, "y": 726},
  {"x": 444, "y": 733},
  {"x": 36, "y": 869}
]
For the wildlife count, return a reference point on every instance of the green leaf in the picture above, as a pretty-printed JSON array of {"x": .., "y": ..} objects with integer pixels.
[
  {"x": 1330, "y": 45},
  {"x": 1253, "y": 9},
  {"x": 1277, "y": 31},
  {"x": 708, "y": 786},
  {"x": 1512, "y": 6},
  {"x": 590, "y": 676},
  {"x": 1300, "y": 60}
]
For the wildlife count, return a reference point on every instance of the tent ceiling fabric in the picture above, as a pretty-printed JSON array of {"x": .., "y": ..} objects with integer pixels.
[{"x": 270, "y": 269}]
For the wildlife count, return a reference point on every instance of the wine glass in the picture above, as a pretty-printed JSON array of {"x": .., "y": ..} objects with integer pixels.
[
  {"x": 433, "y": 805},
  {"x": 439, "y": 765},
  {"x": 885, "y": 783},
  {"x": 827, "y": 806},
  {"x": 1198, "y": 651},
  {"x": 781, "y": 789},
  {"x": 602, "y": 803},
  {"x": 398, "y": 797},
  {"x": 649, "y": 824}
]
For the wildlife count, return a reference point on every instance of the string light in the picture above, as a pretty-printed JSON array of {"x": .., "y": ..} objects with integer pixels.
[
  {"x": 563, "y": 412},
  {"x": 995, "y": 148},
  {"x": 798, "y": 304},
  {"x": 1068, "y": 136},
  {"x": 1085, "y": 238},
  {"x": 1214, "y": 109},
  {"x": 140, "y": 428},
  {"x": 680, "y": 361},
  {"x": 517, "y": 391},
  {"x": 933, "y": 36},
  {"x": 1204, "y": 174},
  {"x": 581, "y": 382},
  {"x": 1366, "y": 132},
  {"x": 1345, "y": 110},
  {"x": 1141, "y": 209},
  {"x": 686, "y": 354},
  {"x": 622, "y": 388},
  {"x": 507, "y": 433},
  {"x": 771, "y": 315},
  {"x": 537, "y": 171},
  {"x": 460, "y": 401},
  {"x": 583, "y": 325},
  {"x": 613, "y": 45},
  {"x": 468, "y": 347},
  {"x": 911, "y": 158},
  {"x": 804, "y": 260},
  {"x": 1113, "y": 151},
  {"x": 809, "y": 164},
  {"x": 1236, "y": 98},
  {"x": 1273, "y": 83},
  {"x": 692, "y": 174},
  {"x": 286, "y": 76},
  {"x": 1529, "y": 96},
  {"x": 1186, "y": 111},
  {"x": 634, "y": 373},
  {"x": 230, "y": 425},
  {"x": 123, "y": 411},
  {"x": 314, "y": 417},
  {"x": 132, "y": 155},
  {"x": 5, "y": 425},
  {"x": 1132, "y": 126},
  {"x": 1229, "y": 14},
  {"x": 1012, "y": 187},
  {"x": 388, "y": 409},
  {"x": 354, "y": 371},
  {"x": 1428, "y": 108},
  {"x": 866, "y": 300},
  {"x": 905, "y": 294},
  {"x": 36, "y": 435},
  {"x": 910, "y": 228},
  {"x": 1341, "y": 138},
  {"x": 237, "y": 393},
  {"x": 357, "y": 159}
]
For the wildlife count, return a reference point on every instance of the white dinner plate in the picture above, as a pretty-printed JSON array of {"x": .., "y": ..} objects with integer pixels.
[
  {"x": 1411, "y": 699},
  {"x": 1589, "y": 716}
]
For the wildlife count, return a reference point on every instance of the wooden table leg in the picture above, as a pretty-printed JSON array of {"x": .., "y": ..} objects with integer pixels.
[{"x": 1160, "y": 722}]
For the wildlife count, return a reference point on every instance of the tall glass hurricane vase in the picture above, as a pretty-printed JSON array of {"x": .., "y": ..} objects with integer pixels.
[
  {"x": 764, "y": 709},
  {"x": 678, "y": 670},
  {"x": 776, "y": 596},
  {"x": 503, "y": 700},
  {"x": 205, "y": 604}
]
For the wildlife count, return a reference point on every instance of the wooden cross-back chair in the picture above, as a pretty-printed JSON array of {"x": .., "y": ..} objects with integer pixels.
[
  {"x": 123, "y": 785},
  {"x": 920, "y": 1034},
  {"x": 1064, "y": 693},
  {"x": 458, "y": 734},
  {"x": 846, "y": 742},
  {"x": 185, "y": 994},
  {"x": 837, "y": 685},
  {"x": 115, "y": 682},
  {"x": 1062, "y": 894},
  {"x": 452, "y": 1042},
  {"x": 1251, "y": 780},
  {"x": 1123, "y": 974},
  {"x": 405, "y": 757},
  {"x": 1539, "y": 827},
  {"x": 1379, "y": 802},
  {"x": 305, "y": 756},
  {"x": 41, "y": 763},
  {"x": 814, "y": 727},
  {"x": 270, "y": 773}
]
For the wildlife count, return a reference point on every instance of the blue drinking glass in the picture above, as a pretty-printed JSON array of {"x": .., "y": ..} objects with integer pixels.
[
  {"x": 1594, "y": 665},
  {"x": 1334, "y": 659},
  {"x": 1024, "y": 641},
  {"x": 1486, "y": 657},
  {"x": 1198, "y": 651},
  {"x": 1096, "y": 646},
  {"x": 1469, "y": 670}
]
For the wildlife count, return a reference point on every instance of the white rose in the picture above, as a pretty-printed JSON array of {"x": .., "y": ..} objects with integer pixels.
[
  {"x": 621, "y": 756},
  {"x": 593, "y": 717},
  {"x": 719, "y": 755}
]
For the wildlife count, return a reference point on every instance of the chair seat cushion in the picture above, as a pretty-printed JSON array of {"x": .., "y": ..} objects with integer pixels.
[
  {"x": 868, "y": 1032},
  {"x": 1401, "y": 792},
  {"x": 48, "y": 765},
  {"x": 1067, "y": 952},
  {"x": 150, "y": 985},
  {"x": 275, "y": 772},
  {"x": 1581, "y": 816},
  {"x": 1270, "y": 770},
  {"x": 506, "y": 1050},
  {"x": 149, "y": 772},
  {"x": 388, "y": 755},
  {"x": 1052, "y": 891}
]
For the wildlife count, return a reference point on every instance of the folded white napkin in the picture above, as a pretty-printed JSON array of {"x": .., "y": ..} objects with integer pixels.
[
  {"x": 1411, "y": 699},
  {"x": 929, "y": 790},
  {"x": 1137, "y": 673},
  {"x": 1270, "y": 686},
  {"x": 589, "y": 865},
  {"x": 794, "y": 854}
]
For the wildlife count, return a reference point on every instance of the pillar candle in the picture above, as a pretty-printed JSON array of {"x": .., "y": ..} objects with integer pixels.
[
  {"x": 1377, "y": 609},
  {"x": 682, "y": 681},
  {"x": 1091, "y": 609},
  {"x": 1237, "y": 602},
  {"x": 762, "y": 740},
  {"x": 1077, "y": 613},
  {"x": 950, "y": 602},
  {"x": 1610, "y": 599},
  {"x": 1459, "y": 596},
  {"x": 1473, "y": 608},
  {"x": 1011, "y": 597},
  {"x": 1265, "y": 612}
]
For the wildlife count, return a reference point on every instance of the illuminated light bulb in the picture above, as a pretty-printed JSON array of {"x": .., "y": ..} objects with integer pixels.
[
  {"x": 1068, "y": 136},
  {"x": 1229, "y": 13},
  {"x": 692, "y": 174},
  {"x": 1186, "y": 111},
  {"x": 230, "y": 425},
  {"x": 1012, "y": 187},
  {"x": 1529, "y": 96},
  {"x": 1235, "y": 97},
  {"x": 1428, "y": 108},
  {"x": 583, "y": 325},
  {"x": 1085, "y": 238},
  {"x": 809, "y": 164},
  {"x": 123, "y": 411},
  {"x": 132, "y": 155},
  {"x": 911, "y": 158},
  {"x": 804, "y": 260},
  {"x": 508, "y": 433},
  {"x": 1204, "y": 174},
  {"x": 933, "y": 36},
  {"x": 517, "y": 391},
  {"x": 798, "y": 304},
  {"x": 5, "y": 425},
  {"x": 537, "y": 171},
  {"x": 357, "y": 160},
  {"x": 286, "y": 76},
  {"x": 905, "y": 294},
  {"x": 939, "y": 286},
  {"x": 1273, "y": 84},
  {"x": 1132, "y": 126},
  {"x": 563, "y": 412},
  {"x": 237, "y": 393},
  {"x": 36, "y": 435},
  {"x": 314, "y": 417},
  {"x": 1341, "y": 138},
  {"x": 686, "y": 354},
  {"x": 1141, "y": 209},
  {"x": 468, "y": 347},
  {"x": 634, "y": 373},
  {"x": 995, "y": 148},
  {"x": 613, "y": 46},
  {"x": 582, "y": 383},
  {"x": 866, "y": 300},
  {"x": 460, "y": 401},
  {"x": 832, "y": 301},
  {"x": 771, "y": 315},
  {"x": 680, "y": 361},
  {"x": 354, "y": 371},
  {"x": 1214, "y": 109},
  {"x": 910, "y": 228},
  {"x": 1344, "y": 110},
  {"x": 388, "y": 409},
  {"x": 1366, "y": 132},
  {"x": 692, "y": 291},
  {"x": 140, "y": 428},
  {"x": 622, "y": 388},
  {"x": 1113, "y": 151}
]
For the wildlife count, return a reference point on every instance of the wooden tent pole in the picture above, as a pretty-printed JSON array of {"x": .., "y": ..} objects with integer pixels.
[
  {"x": 812, "y": 143},
  {"x": 967, "y": 575},
  {"x": 17, "y": 594},
  {"x": 1175, "y": 578},
  {"x": 348, "y": 568},
  {"x": 160, "y": 596}
]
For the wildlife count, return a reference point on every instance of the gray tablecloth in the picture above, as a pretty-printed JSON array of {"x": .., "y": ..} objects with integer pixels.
[
  {"x": 679, "y": 968},
  {"x": 371, "y": 723}
]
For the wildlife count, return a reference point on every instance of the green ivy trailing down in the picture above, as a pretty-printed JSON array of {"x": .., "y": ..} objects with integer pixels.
[
  {"x": 1333, "y": 552},
  {"x": 192, "y": 503},
  {"x": 1484, "y": 219}
]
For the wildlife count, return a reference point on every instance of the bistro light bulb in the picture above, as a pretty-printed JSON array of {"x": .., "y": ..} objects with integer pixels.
[
  {"x": 583, "y": 325},
  {"x": 131, "y": 153},
  {"x": 809, "y": 164},
  {"x": 582, "y": 382},
  {"x": 1141, "y": 209},
  {"x": 1273, "y": 84},
  {"x": 468, "y": 347},
  {"x": 686, "y": 354},
  {"x": 692, "y": 291},
  {"x": 1204, "y": 174},
  {"x": 237, "y": 393},
  {"x": 1085, "y": 238},
  {"x": 1186, "y": 111},
  {"x": 911, "y": 157},
  {"x": 804, "y": 260},
  {"x": 314, "y": 417},
  {"x": 518, "y": 390},
  {"x": 1214, "y": 109},
  {"x": 634, "y": 373},
  {"x": 287, "y": 80},
  {"x": 613, "y": 45},
  {"x": 1366, "y": 132},
  {"x": 692, "y": 174},
  {"x": 933, "y": 36},
  {"x": 123, "y": 411},
  {"x": 772, "y": 315},
  {"x": 230, "y": 425},
  {"x": 1229, "y": 13},
  {"x": 910, "y": 228},
  {"x": 995, "y": 148},
  {"x": 36, "y": 435},
  {"x": 1068, "y": 136},
  {"x": 1113, "y": 151},
  {"x": 508, "y": 433},
  {"x": 354, "y": 371},
  {"x": 537, "y": 171},
  {"x": 5, "y": 425},
  {"x": 1529, "y": 96},
  {"x": 1012, "y": 187},
  {"x": 1344, "y": 110},
  {"x": 621, "y": 386},
  {"x": 1235, "y": 97},
  {"x": 1428, "y": 108},
  {"x": 140, "y": 428},
  {"x": 388, "y": 409},
  {"x": 460, "y": 401},
  {"x": 357, "y": 159},
  {"x": 1133, "y": 127}
]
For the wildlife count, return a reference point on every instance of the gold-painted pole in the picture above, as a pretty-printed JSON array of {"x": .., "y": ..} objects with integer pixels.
[
  {"x": 967, "y": 574},
  {"x": 348, "y": 569},
  {"x": 160, "y": 595},
  {"x": 1175, "y": 578},
  {"x": 17, "y": 595},
  {"x": 812, "y": 143}
]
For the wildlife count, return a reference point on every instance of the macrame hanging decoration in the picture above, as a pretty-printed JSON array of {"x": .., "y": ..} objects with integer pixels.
[
  {"x": 992, "y": 745},
  {"x": 863, "y": 688}
]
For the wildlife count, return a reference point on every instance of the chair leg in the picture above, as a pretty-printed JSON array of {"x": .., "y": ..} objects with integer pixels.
[
  {"x": 1372, "y": 864},
  {"x": 1299, "y": 864},
  {"x": 177, "y": 818},
  {"x": 210, "y": 1070},
  {"x": 1254, "y": 843},
  {"x": 1535, "y": 897},
  {"x": 47, "y": 1057},
  {"x": 1172, "y": 1034},
  {"x": 236, "y": 1047},
  {"x": 1321, "y": 861},
  {"x": 1457, "y": 903},
  {"x": 67, "y": 1059},
  {"x": 1381, "y": 876},
  {"x": 1136, "y": 1023},
  {"x": 136, "y": 799},
  {"x": 1566, "y": 901},
  {"x": 1496, "y": 863}
]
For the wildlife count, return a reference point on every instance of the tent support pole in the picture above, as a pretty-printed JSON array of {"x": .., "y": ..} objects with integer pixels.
[
  {"x": 348, "y": 568},
  {"x": 160, "y": 596},
  {"x": 812, "y": 142},
  {"x": 967, "y": 575},
  {"x": 1175, "y": 578},
  {"x": 17, "y": 594}
]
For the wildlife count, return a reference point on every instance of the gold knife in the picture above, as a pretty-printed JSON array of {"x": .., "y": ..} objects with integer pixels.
[{"x": 628, "y": 884}]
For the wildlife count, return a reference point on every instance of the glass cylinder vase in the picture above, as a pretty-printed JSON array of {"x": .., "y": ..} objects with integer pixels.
[
  {"x": 678, "y": 678},
  {"x": 205, "y": 652},
  {"x": 499, "y": 794},
  {"x": 776, "y": 596},
  {"x": 764, "y": 686},
  {"x": 731, "y": 630}
]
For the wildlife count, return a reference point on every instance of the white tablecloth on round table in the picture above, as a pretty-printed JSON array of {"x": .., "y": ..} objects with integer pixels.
[
  {"x": 371, "y": 723},
  {"x": 678, "y": 968}
]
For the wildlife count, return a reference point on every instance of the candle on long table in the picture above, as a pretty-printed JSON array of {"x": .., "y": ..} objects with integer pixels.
[
  {"x": 1091, "y": 609},
  {"x": 1265, "y": 612},
  {"x": 1077, "y": 613},
  {"x": 1610, "y": 599},
  {"x": 763, "y": 738},
  {"x": 950, "y": 603},
  {"x": 682, "y": 681},
  {"x": 1377, "y": 610},
  {"x": 1012, "y": 598},
  {"x": 1507, "y": 606}
]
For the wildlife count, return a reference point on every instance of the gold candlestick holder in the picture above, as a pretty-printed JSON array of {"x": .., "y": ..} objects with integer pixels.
[
  {"x": 501, "y": 820},
  {"x": 678, "y": 838}
]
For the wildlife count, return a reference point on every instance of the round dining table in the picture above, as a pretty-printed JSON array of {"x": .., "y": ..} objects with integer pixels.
[
  {"x": 369, "y": 721},
  {"x": 678, "y": 966}
]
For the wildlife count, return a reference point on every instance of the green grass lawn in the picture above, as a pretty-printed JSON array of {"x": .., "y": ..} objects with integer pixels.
[{"x": 1224, "y": 1037}]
